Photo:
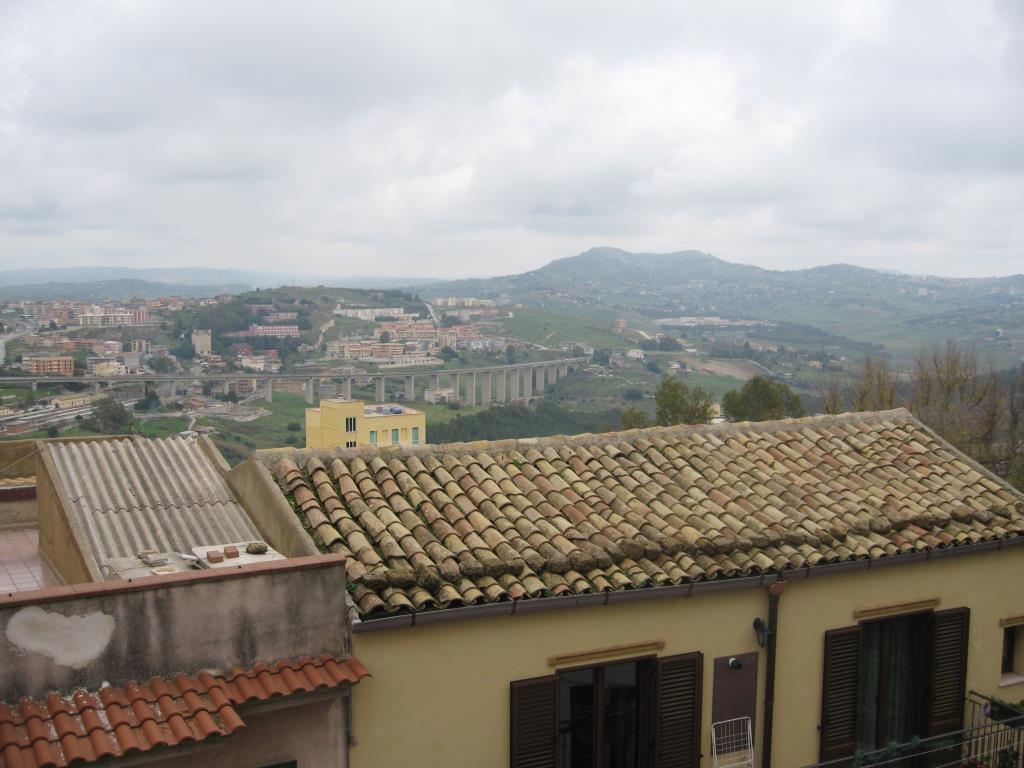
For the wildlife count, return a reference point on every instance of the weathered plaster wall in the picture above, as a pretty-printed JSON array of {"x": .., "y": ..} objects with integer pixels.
[
  {"x": 461, "y": 670},
  {"x": 116, "y": 631}
]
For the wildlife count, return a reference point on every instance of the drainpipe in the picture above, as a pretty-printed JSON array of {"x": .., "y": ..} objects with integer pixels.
[{"x": 774, "y": 593}]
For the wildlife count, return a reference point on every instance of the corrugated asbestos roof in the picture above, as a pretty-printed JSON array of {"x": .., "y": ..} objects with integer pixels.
[
  {"x": 457, "y": 525},
  {"x": 133, "y": 494}
]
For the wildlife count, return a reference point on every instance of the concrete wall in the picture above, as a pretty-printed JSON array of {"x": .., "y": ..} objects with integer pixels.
[
  {"x": 18, "y": 457},
  {"x": 267, "y": 508},
  {"x": 17, "y": 506},
  {"x": 462, "y": 670},
  {"x": 60, "y": 541},
  {"x": 118, "y": 631},
  {"x": 312, "y": 733}
]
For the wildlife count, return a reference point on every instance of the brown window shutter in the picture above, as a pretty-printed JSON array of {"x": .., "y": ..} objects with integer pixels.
[
  {"x": 679, "y": 700},
  {"x": 533, "y": 723},
  {"x": 839, "y": 685},
  {"x": 949, "y": 670}
]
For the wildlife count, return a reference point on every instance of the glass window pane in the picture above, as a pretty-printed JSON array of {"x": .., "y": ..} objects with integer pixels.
[
  {"x": 897, "y": 716},
  {"x": 576, "y": 718},
  {"x": 620, "y": 715},
  {"x": 870, "y": 670}
]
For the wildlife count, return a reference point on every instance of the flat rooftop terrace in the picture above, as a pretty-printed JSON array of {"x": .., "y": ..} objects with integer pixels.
[{"x": 22, "y": 567}]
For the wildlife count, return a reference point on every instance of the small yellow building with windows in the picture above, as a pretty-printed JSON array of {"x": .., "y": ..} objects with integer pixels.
[
  {"x": 352, "y": 423},
  {"x": 74, "y": 400}
]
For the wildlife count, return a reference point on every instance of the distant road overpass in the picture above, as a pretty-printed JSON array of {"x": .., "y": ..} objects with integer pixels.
[{"x": 472, "y": 385}]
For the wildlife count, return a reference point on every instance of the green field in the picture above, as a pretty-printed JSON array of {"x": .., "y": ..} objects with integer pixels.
[
  {"x": 165, "y": 426},
  {"x": 550, "y": 329},
  {"x": 587, "y": 391}
]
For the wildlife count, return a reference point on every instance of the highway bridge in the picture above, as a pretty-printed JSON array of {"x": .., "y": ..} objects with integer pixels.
[{"x": 473, "y": 386}]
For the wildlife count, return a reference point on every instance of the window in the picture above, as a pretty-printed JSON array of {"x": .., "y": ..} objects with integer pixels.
[
  {"x": 373, "y": 437},
  {"x": 394, "y": 437},
  {"x": 415, "y": 435},
  {"x": 1013, "y": 655},
  {"x": 892, "y": 680},
  {"x": 600, "y": 712},
  {"x": 605, "y": 716},
  {"x": 350, "y": 423},
  {"x": 888, "y": 680},
  {"x": 350, "y": 444}
]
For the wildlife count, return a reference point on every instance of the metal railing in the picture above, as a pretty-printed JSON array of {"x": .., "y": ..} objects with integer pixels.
[{"x": 994, "y": 738}]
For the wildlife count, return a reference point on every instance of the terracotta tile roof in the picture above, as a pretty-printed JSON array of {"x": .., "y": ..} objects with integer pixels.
[
  {"x": 486, "y": 522},
  {"x": 89, "y": 726}
]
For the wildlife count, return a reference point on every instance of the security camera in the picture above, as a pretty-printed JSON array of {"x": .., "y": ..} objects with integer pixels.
[{"x": 735, "y": 663}]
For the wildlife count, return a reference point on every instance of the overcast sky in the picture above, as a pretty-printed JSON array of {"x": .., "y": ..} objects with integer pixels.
[{"x": 473, "y": 138}]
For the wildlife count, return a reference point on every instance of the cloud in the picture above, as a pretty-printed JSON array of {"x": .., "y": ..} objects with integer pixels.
[{"x": 481, "y": 138}]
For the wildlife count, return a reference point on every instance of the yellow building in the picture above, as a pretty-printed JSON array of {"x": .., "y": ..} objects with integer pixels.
[
  {"x": 341, "y": 423},
  {"x": 74, "y": 400},
  {"x": 831, "y": 585}
]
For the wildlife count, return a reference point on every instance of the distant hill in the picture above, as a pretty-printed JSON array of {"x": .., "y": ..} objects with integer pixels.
[
  {"x": 118, "y": 283},
  {"x": 115, "y": 290},
  {"x": 900, "y": 311}
]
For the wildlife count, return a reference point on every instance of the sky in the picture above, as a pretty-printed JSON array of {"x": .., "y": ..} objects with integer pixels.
[{"x": 448, "y": 139}]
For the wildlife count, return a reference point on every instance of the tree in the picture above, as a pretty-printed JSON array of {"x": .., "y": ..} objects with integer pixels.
[
  {"x": 875, "y": 388},
  {"x": 669, "y": 344},
  {"x": 184, "y": 351},
  {"x": 601, "y": 356},
  {"x": 160, "y": 364},
  {"x": 447, "y": 353},
  {"x": 762, "y": 399},
  {"x": 510, "y": 354},
  {"x": 634, "y": 418},
  {"x": 52, "y": 431},
  {"x": 633, "y": 394},
  {"x": 831, "y": 393},
  {"x": 109, "y": 417},
  {"x": 385, "y": 337},
  {"x": 652, "y": 366},
  {"x": 150, "y": 401},
  {"x": 294, "y": 426},
  {"x": 678, "y": 403}
]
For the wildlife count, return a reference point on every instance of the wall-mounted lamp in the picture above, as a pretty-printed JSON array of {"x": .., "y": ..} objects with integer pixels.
[{"x": 762, "y": 630}]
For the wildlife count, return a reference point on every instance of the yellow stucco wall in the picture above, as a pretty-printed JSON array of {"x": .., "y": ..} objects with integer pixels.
[
  {"x": 325, "y": 426},
  {"x": 439, "y": 695}
]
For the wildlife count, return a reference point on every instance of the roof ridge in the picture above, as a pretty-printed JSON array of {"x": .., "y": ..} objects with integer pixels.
[{"x": 900, "y": 415}]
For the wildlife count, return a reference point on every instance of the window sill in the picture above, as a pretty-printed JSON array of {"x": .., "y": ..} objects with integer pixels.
[{"x": 1010, "y": 678}]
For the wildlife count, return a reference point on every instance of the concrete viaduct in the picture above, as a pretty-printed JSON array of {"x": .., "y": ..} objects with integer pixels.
[{"x": 474, "y": 386}]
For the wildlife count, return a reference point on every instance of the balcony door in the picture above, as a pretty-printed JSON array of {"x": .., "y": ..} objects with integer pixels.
[{"x": 895, "y": 658}]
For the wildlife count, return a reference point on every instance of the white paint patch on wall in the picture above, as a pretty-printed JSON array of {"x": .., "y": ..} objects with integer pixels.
[{"x": 71, "y": 641}]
